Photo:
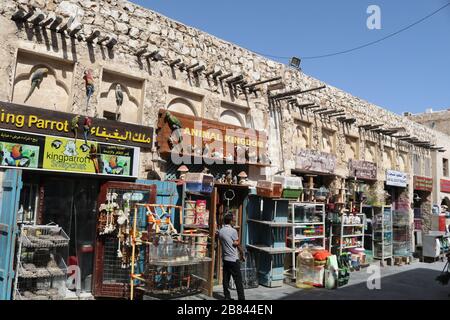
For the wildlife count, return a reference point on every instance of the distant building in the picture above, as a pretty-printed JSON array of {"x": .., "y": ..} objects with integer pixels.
[{"x": 437, "y": 120}]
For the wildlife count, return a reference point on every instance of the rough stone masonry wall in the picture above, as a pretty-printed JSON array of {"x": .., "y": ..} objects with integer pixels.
[
  {"x": 136, "y": 27},
  {"x": 438, "y": 120}
]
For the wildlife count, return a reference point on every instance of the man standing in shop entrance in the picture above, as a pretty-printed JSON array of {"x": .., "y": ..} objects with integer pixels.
[{"x": 229, "y": 240}]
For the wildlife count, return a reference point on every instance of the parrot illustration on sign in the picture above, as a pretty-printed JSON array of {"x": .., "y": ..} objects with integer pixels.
[
  {"x": 115, "y": 166},
  {"x": 36, "y": 79},
  {"x": 70, "y": 149},
  {"x": 19, "y": 157},
  {"x": 56, "y": 144},
  {"x": 119, "y": 99}
]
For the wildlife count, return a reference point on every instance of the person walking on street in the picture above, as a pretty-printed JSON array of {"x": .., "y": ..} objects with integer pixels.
[{"x": 229, "y": 240}]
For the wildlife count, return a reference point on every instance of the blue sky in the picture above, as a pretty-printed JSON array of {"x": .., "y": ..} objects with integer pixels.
[{"x": 409, "y": 72}]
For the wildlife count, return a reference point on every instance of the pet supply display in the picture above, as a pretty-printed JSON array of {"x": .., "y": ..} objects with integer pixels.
[
  {"x": 305, "y": 272},
  {"x": 189, "y": 212},
  {"x": 269, "y": 189},
  {"x": 41, "y": 268},
  {"x": 199, "y": 182},
  {"x": 292, "y": 186},
  {"x": 331, "y": 273},
  {"x": 201, "y": 214},
  {"x": 343, "y": 272},
  {"x": 382, "y": 233}
]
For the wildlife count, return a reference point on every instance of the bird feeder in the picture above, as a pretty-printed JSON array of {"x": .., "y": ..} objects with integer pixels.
[
  {"x": 183, "y": 170},
  {"x": 242, "y": 177}
]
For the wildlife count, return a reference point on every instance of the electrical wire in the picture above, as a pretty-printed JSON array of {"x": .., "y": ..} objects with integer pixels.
[{"x": 364, "y": 45}]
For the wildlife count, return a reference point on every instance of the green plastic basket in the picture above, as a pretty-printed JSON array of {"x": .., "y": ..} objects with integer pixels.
[{"x": 292, "y": 193}]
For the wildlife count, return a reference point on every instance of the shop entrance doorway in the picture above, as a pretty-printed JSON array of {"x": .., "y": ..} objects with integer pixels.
[{"x": 70, "y": 203}]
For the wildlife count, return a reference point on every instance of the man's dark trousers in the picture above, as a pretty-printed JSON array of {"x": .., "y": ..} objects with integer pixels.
[{"x": 232, "y": 269}]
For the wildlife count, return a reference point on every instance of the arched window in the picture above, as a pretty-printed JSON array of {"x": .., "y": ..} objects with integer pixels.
[
  {"x": 181, "y": 105},
  {"x": 231, "y": 117}
]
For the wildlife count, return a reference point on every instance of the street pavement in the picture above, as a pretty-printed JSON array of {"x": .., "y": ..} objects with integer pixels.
[{"x": 409, "y": 282}]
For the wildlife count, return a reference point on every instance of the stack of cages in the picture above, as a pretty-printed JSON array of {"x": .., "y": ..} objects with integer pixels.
[
  {"x": 382, "y": 233},
  {"x": 173, "y": 270},
  {"x": 401, "y": 234},
  {"x": 41, "y": 268},
  {"x": 418, "y": 222},
  {"x": 267, "y": 231},
  {"x": 248, "y": 272},
  {"x": 292, "y": 186}
]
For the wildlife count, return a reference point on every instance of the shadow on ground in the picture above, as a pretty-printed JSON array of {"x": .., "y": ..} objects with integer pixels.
[{"x": 416, "y": 284}]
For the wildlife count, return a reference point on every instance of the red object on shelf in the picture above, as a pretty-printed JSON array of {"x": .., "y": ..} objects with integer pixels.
[
  {"x": 418, "y": 224},
  {"x": 442, "y": 224}
]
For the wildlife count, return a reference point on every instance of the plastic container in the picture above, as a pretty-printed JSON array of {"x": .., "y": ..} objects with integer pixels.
[
  {"x": 201, "y": 246},
  {"x": 305, "y": 273},
  {"x": 201, "y": 214},
  {"x": 291, "y": 183},
  {"x": 291, "y": 193},
  {"x": 199, "y": 182},
  {"x": 189, "y": 213},
  {"x": 269, "y": 189},
  {"x": 304, "y": 213}
]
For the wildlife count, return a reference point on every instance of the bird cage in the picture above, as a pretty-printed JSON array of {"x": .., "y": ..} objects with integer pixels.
[{"x": 322, "y": 194}]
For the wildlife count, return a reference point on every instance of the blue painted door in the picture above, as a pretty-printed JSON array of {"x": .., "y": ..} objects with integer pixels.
[
  {"x": 9, "y": 203},
  {"x": 166, "y": 193}
]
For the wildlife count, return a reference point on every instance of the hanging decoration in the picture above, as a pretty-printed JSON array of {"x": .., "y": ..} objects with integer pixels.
[
  {"x": 114, "y": 220},
  {"x": 119, "y": 99},
  {"x": 124, "y": 235},
  {"x": 89, "y": 83},
  {"x": 87, "y": 125},
  {"x": 74, "y": 126},
  {"x": 175, "y": 126},
  {"x": 108, "y": 210}
]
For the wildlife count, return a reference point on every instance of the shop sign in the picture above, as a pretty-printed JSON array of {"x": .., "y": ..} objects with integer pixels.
[
  {"x": 423, "y": 184},
  {"x": 445, "y": 186},
  {"x": 186, "y": 136},
  {"x": 363, "y": 170},
  {"x": 396, "y": 178},
  {"x": 49, "y": 122},
  {"x": 315, "y": 162},
  {"x": 38, "y": 152}
]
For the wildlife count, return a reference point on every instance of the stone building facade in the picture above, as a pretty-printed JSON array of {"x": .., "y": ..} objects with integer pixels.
[
  {"x": 440, "y": 122},
  {"x": 152, "y": 84},
  {"x": 437, "y": 120}
]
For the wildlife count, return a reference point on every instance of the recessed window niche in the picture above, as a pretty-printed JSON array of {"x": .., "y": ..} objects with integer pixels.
[
  {"x": 54, "y": 90},
  {"x": 130, "y": 109}
]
